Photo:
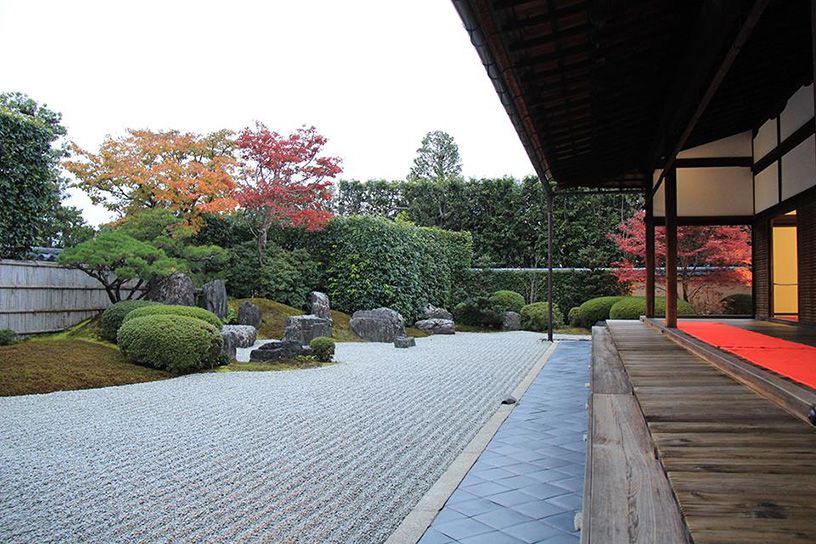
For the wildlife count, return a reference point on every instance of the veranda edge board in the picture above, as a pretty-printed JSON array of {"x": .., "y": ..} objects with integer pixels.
[{"x": 742, "y": 468}]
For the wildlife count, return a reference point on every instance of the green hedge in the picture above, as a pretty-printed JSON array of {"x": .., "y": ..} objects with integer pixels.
[
  {"x": 479, "y": 312},
  {"x": 170, "y": 309},
  {"x": 7, "y": 337},
  {"x": 509, "y": 301},
  {"x": 536, "y": 316},
  {"x": 175, "y": 343},
  {"x": 323, "y": 348},
  {"x": 594, "y": 310},
  {"x": 115, "y": 314},
  {"x": 570, "y": 287},
  {"x": 634, "y": 307},
  {"x": 372, "y": 261}
]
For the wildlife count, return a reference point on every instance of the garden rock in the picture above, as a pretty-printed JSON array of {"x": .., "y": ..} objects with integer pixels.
[
  {"x": 436, "y": 326},
  {"x": 214, "y": 298},
  {"x": 278, "y": 350},
  {"x": 511, "y": 321},
  {"x": 404, "y": 342},
  {"x": 243, "y": 336},
  {"x": 432, "y": 312},
  {"x": 320, "y": 305},
  {"x": 378, "y": 325},
  {"x": 249, "y": 314},
  {"x": 229, "y": 347},
  {"x": 177, "y": 288},
  {"x": 305, "y": 328}
]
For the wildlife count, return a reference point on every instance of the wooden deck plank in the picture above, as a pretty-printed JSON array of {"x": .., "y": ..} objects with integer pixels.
[
  {"x": 743, "y": 470},
  {"x": 608, "y": 375}
]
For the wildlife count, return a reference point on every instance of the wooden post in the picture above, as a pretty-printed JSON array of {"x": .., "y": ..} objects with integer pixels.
[
  {"x": 671, "y": 248},
  {"x": 550, "y": 197},
  {"x": 650, "y": 253}
]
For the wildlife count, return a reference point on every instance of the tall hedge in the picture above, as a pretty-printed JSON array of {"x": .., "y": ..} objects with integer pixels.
[
  {"x": 570, "y": 287},
  {"x": 372, "y": 261}
]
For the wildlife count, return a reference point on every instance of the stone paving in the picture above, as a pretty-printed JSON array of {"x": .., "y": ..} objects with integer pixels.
[
  {"x": 335, "y": 454},
  {"x": 527, "y": 485}
]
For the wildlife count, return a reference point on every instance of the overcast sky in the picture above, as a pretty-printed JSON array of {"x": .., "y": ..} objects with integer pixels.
[{"x": 372, "y": 75}]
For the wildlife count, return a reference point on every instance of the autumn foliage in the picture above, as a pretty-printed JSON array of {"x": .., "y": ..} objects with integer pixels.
[
  {"x": 186, "y": 173},
  {"x": 707, "y": 256},
  {"x": 286, "y": 179}
]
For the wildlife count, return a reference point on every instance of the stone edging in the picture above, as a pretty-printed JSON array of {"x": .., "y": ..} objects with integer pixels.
[{"x": 420, "y": 517}]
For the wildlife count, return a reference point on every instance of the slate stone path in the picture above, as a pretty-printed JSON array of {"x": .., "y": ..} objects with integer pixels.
[
  {"x": 334, "y": 454},
  {"x": 527, "y": 485}
]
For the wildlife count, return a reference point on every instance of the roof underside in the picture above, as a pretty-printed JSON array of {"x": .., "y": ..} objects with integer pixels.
[{"x": 601, "y": 91}]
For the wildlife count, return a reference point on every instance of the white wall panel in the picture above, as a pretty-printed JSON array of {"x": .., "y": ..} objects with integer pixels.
[
  {"x": 738, "y": 145},
  {"x": 766, "y": 188},
  {"x": 797, "y": 112},
  {"x": 799, "y": 168},
  {"x": 711, "y": 192},
  {"x": 765, "y": 139}
]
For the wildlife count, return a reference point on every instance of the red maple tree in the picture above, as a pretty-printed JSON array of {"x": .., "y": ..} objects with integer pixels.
[
  {"x": 285, "y": 178},
  {"x": 707, "y": 256}
]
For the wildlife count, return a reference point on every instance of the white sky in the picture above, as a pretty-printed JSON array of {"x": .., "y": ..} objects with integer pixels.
[{"x": 372, "y": 75}]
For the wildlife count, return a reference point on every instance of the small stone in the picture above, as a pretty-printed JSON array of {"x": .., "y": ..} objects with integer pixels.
[
  {"x": 320, "y": 305},
  {"x": 378, "y": 325},
  {"x": 243, "y": 336},
  {"x": 214, "y": 298},
  {"x": 436, "y": 326},
  {"x": 432, "y": 312},
  {"x": 249, "y": 314},
  {"x": 509, "y": 400},
  {"x": 511, "y": 321},
  {"x": 305, "y": 328},
  {"x": 404, "y": 342}
]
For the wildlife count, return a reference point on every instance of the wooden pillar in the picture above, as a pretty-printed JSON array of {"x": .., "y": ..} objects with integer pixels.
[
  {"x": 650, "y": 254},
  {"x": 670, "y": 191},
  {"x": 550, "y": 197}
]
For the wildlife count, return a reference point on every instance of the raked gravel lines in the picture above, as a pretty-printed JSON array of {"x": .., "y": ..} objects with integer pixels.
[{"x": 334, "y": 454}]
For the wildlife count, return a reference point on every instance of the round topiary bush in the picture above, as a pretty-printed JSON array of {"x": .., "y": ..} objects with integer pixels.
[
  {"x": 738, "y": 304},
  {"x": 322, "y": 348},
  {"x": 508, "y": 301},
  {"x": 115, "y": 314},
  {"x": 634, "y": 307},
  {"x": 7, "y": 337},
  {"x": 478, "y": 312},
  {"x": 176, "y": 343},
  {"x": 536, "y": 316},
  {"x": 572, "y": 316},
  {"x": 594, "y": 310},
  {"x": 171, "y": 309}
]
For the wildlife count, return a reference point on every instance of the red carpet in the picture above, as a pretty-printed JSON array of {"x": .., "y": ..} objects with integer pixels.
[{"x": 792, "y": 360}]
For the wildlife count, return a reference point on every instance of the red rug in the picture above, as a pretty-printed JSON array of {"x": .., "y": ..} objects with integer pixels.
[{"x": 790, "y": 359}]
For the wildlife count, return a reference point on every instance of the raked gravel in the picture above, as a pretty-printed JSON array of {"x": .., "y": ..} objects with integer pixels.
[{"x": 334, "y": 454}]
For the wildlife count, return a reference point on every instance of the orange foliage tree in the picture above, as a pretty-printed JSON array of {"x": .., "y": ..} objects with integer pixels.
[
  {"x": 188, "y": 174},
  {"x": 707, "y": 256}
]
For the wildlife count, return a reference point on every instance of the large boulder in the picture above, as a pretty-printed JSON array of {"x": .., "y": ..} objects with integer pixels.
[
  {"x": 378, "y": 325},
  {"x": 177, "y": 288},
  {"x": 243, "y": 336},
  {"x": 278, "y": 350},
  {"x": 305, "y": 328},
  {"x": 249, "y": 314},
  {"x": 214, "y": 298},
  {"x": 432, "y": 312},
  {"x": 436, "y": 326},
  {"x": 511, "y": 321},
  {"x": 320, "y": 305}
]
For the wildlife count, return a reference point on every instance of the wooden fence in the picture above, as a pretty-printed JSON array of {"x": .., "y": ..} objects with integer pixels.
[{"x": 37, "y": 297}]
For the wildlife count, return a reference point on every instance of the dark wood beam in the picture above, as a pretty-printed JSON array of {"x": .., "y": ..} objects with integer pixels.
[
  {"x": 715, "y": 162},
  {"x": 651, "y": 261},
  {"x": 671, "y": 248}
]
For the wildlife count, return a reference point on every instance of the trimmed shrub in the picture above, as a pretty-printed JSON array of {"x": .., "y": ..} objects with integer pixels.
[
  {"x": 634, "y": 307},
  {"x": 479, "y": 312},
  {"x": 175, "y": 343},
  {"x": 323, "y": 348},
  {"x": 536, "y": 316},
  {"x": 594, "y": 310},
  {"x": 7, "y": 337},
  {"x": 171, "y": 309},
  {"x": 572, "y": 316},
  {"x": 115, "y": 314},
  {"x": 738, "y": 304},
  {"x": 509, "y": 301}
]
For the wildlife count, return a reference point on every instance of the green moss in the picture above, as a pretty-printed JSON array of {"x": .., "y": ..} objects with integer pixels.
[
  {"x": 48, "y": 365},
  {"x": 634, "y": 307},
  {"x": 299, "y": 364}
]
